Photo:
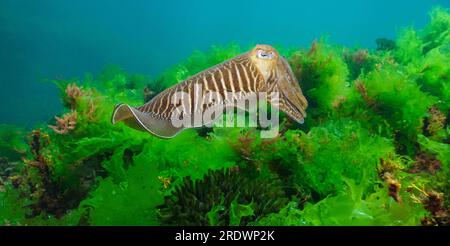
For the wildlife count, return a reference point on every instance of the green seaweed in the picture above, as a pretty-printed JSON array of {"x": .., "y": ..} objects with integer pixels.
[
  {"x": 237, "y": 211},
  {"x": 437, "y": 31},
  {"x": 350, "y": 209},
  {"x": 10, "y": 213},
  {"x": 434, "y": 75},
  {"x": 323, "y": 75},
  {"x": 409, "y": 46},
  {"x": 320, "y": 160},
  {"x": 139, "y": 194},
  {"x": 12, "y": 145},
  {"x": 399, "y": 101}
]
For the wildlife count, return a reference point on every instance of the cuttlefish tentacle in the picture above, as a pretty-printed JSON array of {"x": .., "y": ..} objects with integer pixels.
[
  {"x": 260, "y": 70},
  {"x": 291, "y": 99}
]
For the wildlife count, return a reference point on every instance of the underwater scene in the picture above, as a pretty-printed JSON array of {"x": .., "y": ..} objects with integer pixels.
[{"x": 360, "y": 134}]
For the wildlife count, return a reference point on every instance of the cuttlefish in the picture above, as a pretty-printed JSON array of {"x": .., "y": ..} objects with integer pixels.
[{"x": 260, "y": 70}]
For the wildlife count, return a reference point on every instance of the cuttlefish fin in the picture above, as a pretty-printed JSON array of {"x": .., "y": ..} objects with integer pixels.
[{"x": 139, "y": 120}]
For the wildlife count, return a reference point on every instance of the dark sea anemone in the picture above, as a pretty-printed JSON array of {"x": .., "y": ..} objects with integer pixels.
[{"x": 193, "y": 201}]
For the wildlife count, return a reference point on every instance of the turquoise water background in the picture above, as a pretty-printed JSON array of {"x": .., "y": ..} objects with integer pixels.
[{"x": 47, "y": 39}]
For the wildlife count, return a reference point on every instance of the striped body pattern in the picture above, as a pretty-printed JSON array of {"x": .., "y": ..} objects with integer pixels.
[
  {"x": 237, "y": 75},
  {"x": 260, "y": 70}
]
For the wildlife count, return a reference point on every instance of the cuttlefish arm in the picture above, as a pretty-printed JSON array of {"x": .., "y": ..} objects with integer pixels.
[
  {"x": 291, "y": 99},
  {"x": 252, "y": 72}
]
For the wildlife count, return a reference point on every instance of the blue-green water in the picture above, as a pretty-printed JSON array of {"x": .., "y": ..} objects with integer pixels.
[{"x": 50, "y": 39}]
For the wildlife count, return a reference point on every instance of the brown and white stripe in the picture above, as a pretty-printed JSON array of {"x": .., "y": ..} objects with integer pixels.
[{"x": 237, "y": 76}]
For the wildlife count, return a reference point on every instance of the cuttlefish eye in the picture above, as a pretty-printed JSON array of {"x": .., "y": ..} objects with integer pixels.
[{"x": 265, "y": 55}]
